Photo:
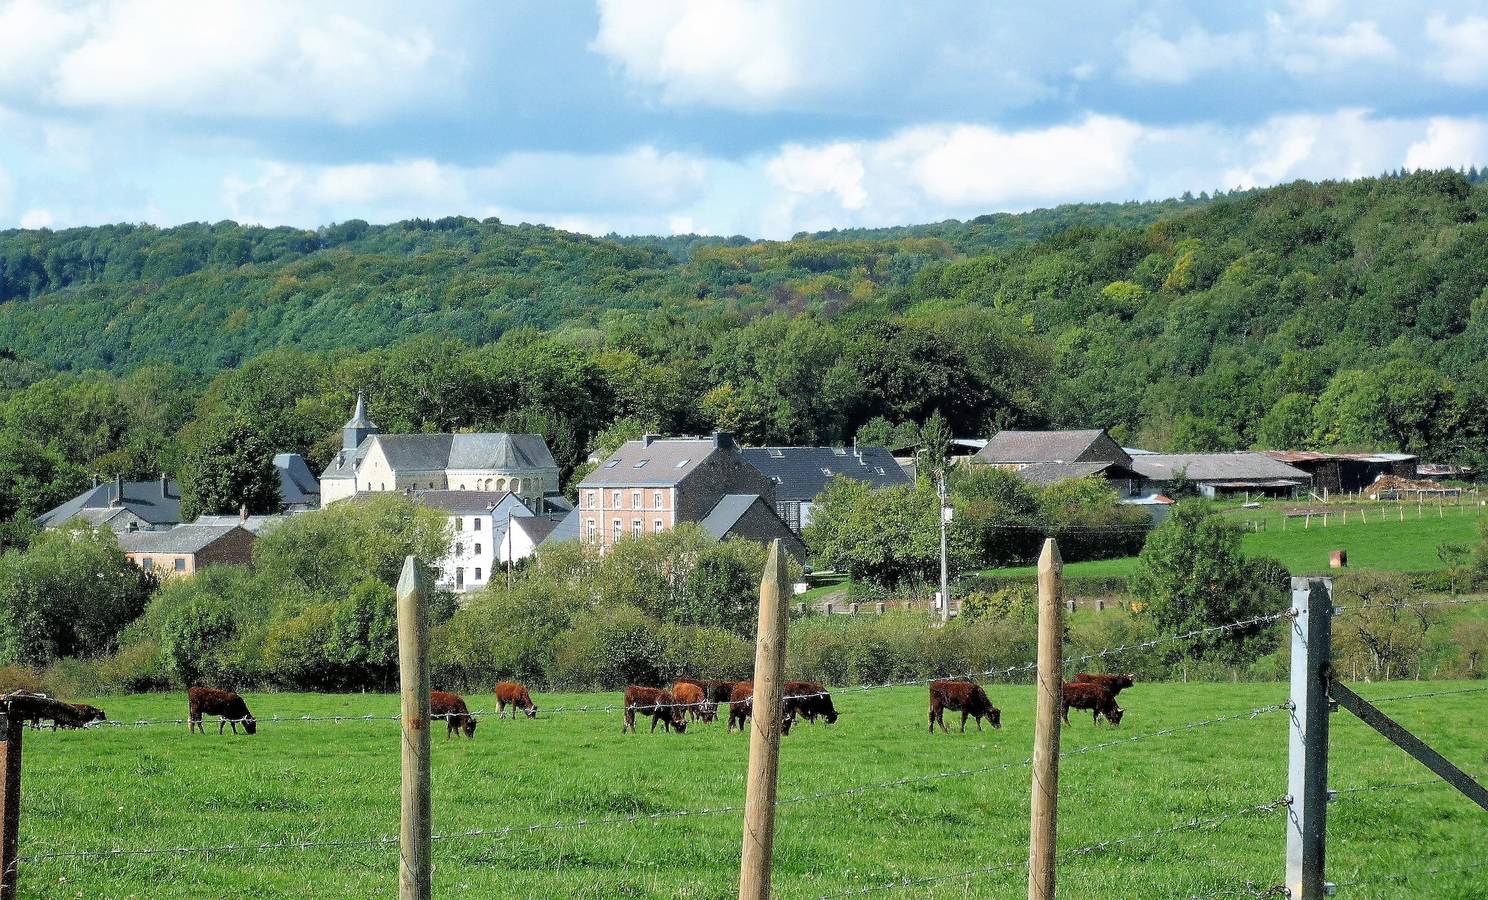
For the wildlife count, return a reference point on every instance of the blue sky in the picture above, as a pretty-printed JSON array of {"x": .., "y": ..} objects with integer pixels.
[{"x": 761, "y": 117}]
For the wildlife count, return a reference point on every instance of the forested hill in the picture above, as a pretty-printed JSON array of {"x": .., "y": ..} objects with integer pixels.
[{"x": 1347, "y": 314}]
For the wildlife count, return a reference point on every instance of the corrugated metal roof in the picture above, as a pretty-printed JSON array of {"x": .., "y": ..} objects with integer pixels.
[
  {"x": 1240, "y": 466},
  {"x": 802, "y": 473}
]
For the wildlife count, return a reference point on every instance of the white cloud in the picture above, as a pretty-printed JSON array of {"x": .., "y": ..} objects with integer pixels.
[
  {"x": 36, "y": 218},
  {"x": 1461, "y": 50},
  {"x": 235, "y": 58},
  {"x": 1349, "y": 143},
  {"x": 1449, "y": 144},
  {"x": 743, "y": 54},
  {"x": 1308, "y": 50},
  {"x": 1152, "y": 57},
  {"x": 834, "y": 169}
]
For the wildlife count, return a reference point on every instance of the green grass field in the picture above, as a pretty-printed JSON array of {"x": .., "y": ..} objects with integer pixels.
[
  {"x": 159, "y": 787},
  {"x": 1382, "y": 542}
]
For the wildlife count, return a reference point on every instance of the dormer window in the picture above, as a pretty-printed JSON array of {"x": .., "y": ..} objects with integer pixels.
[
  {"x": 839, "y": 451},
  {"x": 777, "y": 453}
]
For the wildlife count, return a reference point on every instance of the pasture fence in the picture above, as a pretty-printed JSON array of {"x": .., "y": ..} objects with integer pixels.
[{"x": 1053, "y": 669}]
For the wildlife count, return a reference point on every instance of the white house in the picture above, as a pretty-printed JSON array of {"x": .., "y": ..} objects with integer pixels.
[
  {"x": 371, "y": 461},
  {"x": 478, "y": 521}
]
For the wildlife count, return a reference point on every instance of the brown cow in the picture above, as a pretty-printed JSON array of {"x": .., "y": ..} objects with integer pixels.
[
  {"x": 68, "y": 715},
  {"x": 1094, "y": 697},
  {"x": 509, "y": 693},
  {"x": 657, "y": 703},
  {"x": 694, "y": 703},
  {"x": 718, "y": 691},
  {"x": 965, "y": 696},
  {"x": 1113, "y": 683},
  {"x": 229, "y": 707},
  {"x": 452, "y": 709},
  {"x": 809, "y": 700},
  {"x": 741, "y": 707}
]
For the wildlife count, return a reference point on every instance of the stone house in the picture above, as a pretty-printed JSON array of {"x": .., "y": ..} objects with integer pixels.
[{"x": 187, "y": 549}]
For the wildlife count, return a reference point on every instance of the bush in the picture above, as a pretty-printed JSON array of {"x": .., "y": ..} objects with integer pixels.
[{"x": 137, "y": 667}]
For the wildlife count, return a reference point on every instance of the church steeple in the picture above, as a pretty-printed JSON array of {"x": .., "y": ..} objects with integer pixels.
[{"x": 359, "y": 428}]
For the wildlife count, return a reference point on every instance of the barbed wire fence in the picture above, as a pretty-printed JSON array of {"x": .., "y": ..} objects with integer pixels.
[{"x": 60, "y": 856}]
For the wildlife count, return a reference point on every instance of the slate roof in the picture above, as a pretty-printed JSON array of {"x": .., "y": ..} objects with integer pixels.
[
  {"x": 802, "y": 473},
  {"x": 181, "y": 539},
  {"x": 537, "y": 528},
  {"x": 297, "y": 484},
  {"x": 567, "y": 529},
  {"x": 1008, "y": 446},
  {"x": 1045, "y": 474},
  {"x": 661, "y": 462},
  {"x": 145, "y": 499},
  {"x": 426, "y": 452},
  {"x": 727, "y": 512},
  {"x": 1233, "y": 467},
  {"x": 253, "y": 524}
]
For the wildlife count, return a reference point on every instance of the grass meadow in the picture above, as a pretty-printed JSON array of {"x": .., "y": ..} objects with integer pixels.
[{"x": 159, "y": 787}]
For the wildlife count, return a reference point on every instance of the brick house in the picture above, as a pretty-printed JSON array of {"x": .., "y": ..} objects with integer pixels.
[
  {"x": 187, "y": 549},
  {"x": 651, "y": 485}
]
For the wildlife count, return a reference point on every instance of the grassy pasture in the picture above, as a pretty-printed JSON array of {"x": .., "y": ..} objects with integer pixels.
[{"x": 160, "y": 787}]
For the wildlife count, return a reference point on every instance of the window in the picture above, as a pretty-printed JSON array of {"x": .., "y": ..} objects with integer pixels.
[
  {"x": 656, "y": 499},
  {"x": 635, "y": 499},
  {"x": 826, "y": 471},
  {"x": 459, "y": 549},
  {"x": 476, "y": 527},
  {"x": 462, "y": 487},
  {"x": 590, "y": 533},
  {"x": 776, "y": 453},
  {"x": 459, "y": 578},
  {"x": 477, "y": 551},
  {"x": 682, "y": 463},
  {"x": 459, "y": 523},
  {"x": 839, "y": 451},
  {"x": 148, "y": 564},
  {"x": 641, "y": 464},
  {"x": 615, "y": 532},
  {"x": 656, "y": 526},
  {"x": 589, "y": 499},
  {"x": 181, "y": 564},
  {"x": 635, "y": 528},
  {"x": 516, "y": 485},
  {"x": 477, "y": 573},
  {"x": 612, "y": 464},
  {"x": 617, "y": 500}
]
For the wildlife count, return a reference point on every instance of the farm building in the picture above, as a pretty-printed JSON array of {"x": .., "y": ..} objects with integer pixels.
[
  {"x": 1043, "y": 458},
  {"x": 1334, "y": 473},
  {"x": 187, "y": 549},
  {"x": 801, "y": 474},
  {"x": 1222, "y": 474},
  {"x": 124, "y": 506}
]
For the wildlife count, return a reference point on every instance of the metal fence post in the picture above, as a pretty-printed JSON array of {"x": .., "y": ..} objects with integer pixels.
[
  {"x": 415, "y": 837},
  {"x": 1043, "y": 818},
  {"x": 1307, "y": 750}
]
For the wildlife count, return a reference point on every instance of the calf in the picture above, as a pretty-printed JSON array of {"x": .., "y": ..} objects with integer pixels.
[
  {"x": 657, "y": 703},
  {"x": 1094, "y": 697},
  {"x": 515, "y": 695},
  {"x": 229, "y": 707},
  {"x": 694, "y": 703},
  {"x": 452, "y": 709},
  {"x": 1113, "y": 683},
  {"x": 809, "y": 700},
  {"x": 965, "y": 696}
]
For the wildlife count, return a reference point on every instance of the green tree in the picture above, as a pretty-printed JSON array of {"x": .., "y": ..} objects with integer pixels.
[{"x": 232, "y": 466}]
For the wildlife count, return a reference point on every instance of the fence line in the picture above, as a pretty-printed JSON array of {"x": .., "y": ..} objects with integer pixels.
[
  {"x": 1423, "y": 782},
  {"x": 1446, "y": 693},
  {"x": 508, "y": 830},
  {"x": 1455, "y": 601},
  {"x": 1188, "y": 825}
]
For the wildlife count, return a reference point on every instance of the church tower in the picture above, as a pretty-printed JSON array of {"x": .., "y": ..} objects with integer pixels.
[{"x": 359, "y": 428}]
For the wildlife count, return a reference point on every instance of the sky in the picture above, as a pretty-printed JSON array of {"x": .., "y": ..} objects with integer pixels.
[{"x": 756, "y": 117}]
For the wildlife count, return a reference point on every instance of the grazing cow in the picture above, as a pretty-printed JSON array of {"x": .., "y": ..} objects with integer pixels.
[
  {"x": 229, "y": 707},
  {"x": 67, "y": 715},
  {"x": 741, "y": 706},
  {"x": 657, "y": 703},
  {"x": 809, "y": 700},
  {"x": 718, "y": 691},
  {"x": 509, "y": 693},
  {"x": 965, "y": 696},
  {"x": 1094, "y": 697},
  {"x": 694, "y": 703},
  {"x": 89, "y": 713},
  {"x": 452, "y": 709},
  {"x": 1113, "y": 683}
]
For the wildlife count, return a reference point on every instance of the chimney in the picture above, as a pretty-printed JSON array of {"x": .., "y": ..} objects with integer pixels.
[
  {"x": 648, "y": 439},
  {"x": 243, "y": 514},
  {"x": 723, "y": 440},
  {"x": 95, "y": 479},
  {"x": 118, "y": 498},
  {"x": 164, "y": 485}
]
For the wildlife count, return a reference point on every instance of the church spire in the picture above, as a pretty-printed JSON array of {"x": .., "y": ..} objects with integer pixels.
[{"x": 359, "y": 428}]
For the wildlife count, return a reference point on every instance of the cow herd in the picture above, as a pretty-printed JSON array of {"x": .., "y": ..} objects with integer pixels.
[{"x": 686, "y": 700}]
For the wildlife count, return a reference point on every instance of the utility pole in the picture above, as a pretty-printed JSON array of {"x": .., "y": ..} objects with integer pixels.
[
  {"x": 508, "y": 549},
  {"x": 945, "y": 576}
]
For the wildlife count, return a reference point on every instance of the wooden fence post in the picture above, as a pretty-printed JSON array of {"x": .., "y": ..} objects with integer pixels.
[
  {"x": 415, "y": 834},
  {"x": 10, "y": 801},
  {"x": 764, "y": 737},
  {"x": 1043, "y": 821}
]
